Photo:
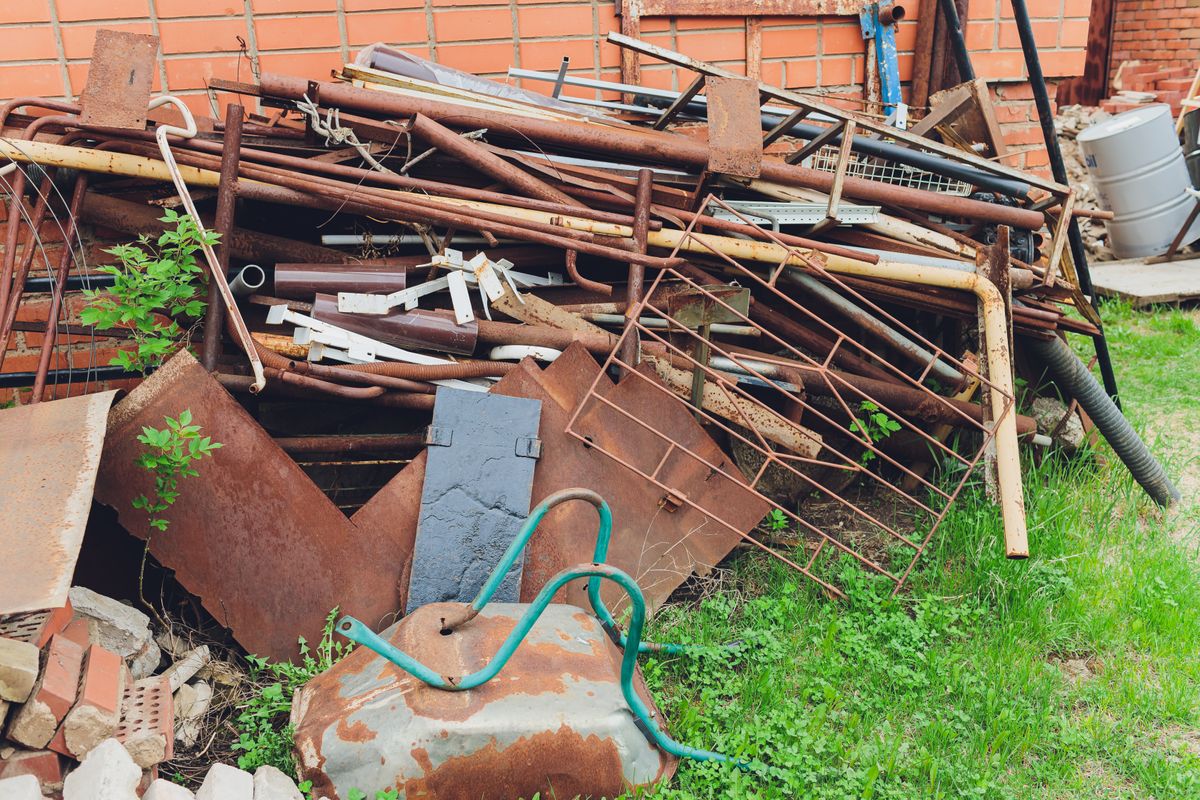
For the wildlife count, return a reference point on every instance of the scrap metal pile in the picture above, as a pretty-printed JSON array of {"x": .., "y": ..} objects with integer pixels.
[{"x": 743, "y": 317}]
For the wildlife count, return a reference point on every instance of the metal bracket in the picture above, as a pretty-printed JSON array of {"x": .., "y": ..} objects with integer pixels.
[
  {"x": 529, "y": 447},
  {"x": 438, "y": 436}
]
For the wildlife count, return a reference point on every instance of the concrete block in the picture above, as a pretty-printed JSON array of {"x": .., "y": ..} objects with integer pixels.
[
  {"x": 224, "y": 782},
  {"x": 36, "y": 722},
  {"x": 97, "y": 711},
  {"x": 165, "y": 790},
  {"x": 44, "y": 765},
  {"x": 18, "y": 669},
  {"x": 147, "y": 726},
  {"x": 24, "y": 787},
  {"x": 106, "y": 773},
  {"x": 191, "y": 704},
  {"x": 120, "y": 628},
  {"x": 272, "y": 784}
]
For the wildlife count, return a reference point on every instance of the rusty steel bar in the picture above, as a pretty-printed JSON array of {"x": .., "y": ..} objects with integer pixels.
[
  {"x": 473, "y": 155},
  {"x": 135, "y": 218},
  {"x": 214, "y": 317},
  {"x": 352, "y": 443},
  {"x": 389, "y": 179},
  {"x": 56, "y": 297},
  {"x": 639, "y": 146},
  {"x": 635, "y": 288},
  {"x": 570, "y": 261}
]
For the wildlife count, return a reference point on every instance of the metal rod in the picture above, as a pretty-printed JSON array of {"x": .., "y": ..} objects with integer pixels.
[
  {"x": 962, "y": 59},
  {"x": 214, "y": 317},
  {"x": 1037, "y": 82}
]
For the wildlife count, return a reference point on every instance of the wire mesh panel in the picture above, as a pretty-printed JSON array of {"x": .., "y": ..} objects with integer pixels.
[
  {"x": 884, "y": 171},
  {"x": 834, "y": 454}
]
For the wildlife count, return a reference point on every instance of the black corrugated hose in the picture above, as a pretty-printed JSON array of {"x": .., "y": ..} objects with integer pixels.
[{"x": 1074, "y": 378}]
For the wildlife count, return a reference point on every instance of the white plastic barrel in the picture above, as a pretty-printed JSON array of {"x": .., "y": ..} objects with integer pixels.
[{"x": 1138, "y": 169}]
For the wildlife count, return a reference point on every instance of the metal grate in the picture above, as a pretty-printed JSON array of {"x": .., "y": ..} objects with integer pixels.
[
  {"x": 791, "y": 421},
  {"x": 883, "y": 171}
]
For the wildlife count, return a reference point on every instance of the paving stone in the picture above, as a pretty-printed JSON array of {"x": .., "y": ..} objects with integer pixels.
[
  {"x": 224, "y": 782},
  {"x": 166, "y": 790},
  {"x": 120, "y": 628},
  {"x": 106, "y": 773},
  {"x": 18, "y": 669},
  {"x": 147, "y": 726},
  {"x": 35, "y": 723},
  {"x": 271, "y": 783},
  {"x": 44, "y": 765},
  {"x": 24, "y": 787},
  {"x": 97, "y": 710}
]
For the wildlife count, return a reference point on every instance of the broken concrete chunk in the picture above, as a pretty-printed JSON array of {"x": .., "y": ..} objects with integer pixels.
[
  {"x": 224, "y": 782},
  {"x": 273, "y": 784},
  {"x": 1049, "y": 413},
  {"x": 35, "y": 723},
  {"x": 18, "y": 669},
  {"x": 120, "y": 628},
  {"x": 191, "y": 704},
  {"x": 25, "y": 787},
  {"x": 106, "y": 773},
  {"x": 165, "y": 790},
  {"x": 184, "y": 669}
]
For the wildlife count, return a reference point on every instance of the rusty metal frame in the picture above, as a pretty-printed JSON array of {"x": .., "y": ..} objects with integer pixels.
[{"x": 772, "y": 372}]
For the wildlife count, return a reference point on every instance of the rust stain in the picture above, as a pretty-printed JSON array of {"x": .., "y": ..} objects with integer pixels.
[{"x": 354, "y": 732}]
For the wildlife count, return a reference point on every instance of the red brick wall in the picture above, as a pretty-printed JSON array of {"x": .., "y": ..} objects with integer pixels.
[{"x": 1165, "y": 33}]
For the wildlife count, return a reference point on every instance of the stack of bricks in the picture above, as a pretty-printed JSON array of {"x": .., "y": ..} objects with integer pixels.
[
  {"x": 1161, "y": 33},
  {"x": 1149, "y": 83}
]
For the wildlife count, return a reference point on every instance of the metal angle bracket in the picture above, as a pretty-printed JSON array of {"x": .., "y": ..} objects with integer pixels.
[
  {"x": 439, "y": 436},
  {"x": 528, "y": 447}
]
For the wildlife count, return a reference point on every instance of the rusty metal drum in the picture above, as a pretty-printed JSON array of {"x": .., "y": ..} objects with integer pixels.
[{"x": 553, "y": 721}]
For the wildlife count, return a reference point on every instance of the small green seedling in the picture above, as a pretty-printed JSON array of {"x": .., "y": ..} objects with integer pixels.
[
  {"x": 874, "y": 425},
  {"x": 168, "y": 457},
  {"x": 777, "y": 521}
]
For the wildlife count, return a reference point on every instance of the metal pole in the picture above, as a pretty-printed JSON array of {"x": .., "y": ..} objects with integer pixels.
[
  {"x": 214, "y": 319},
  {"x": 1037, "y": 82},
  {"x": 958, "y": 42}
]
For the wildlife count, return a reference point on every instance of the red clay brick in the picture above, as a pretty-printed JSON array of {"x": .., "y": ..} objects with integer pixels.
[
  {"x": 100, "y": 693},
  {"x": 381, "y": 5},
  {"x": 27, "y": 43},
  {"x": 202, "y": 8},
  {"x": 202, "y": 36},
  {"x": 789, "y": 42},
  {"x": 548, "y": 55},
  {"x": 292, "y": 6},
  {"x": 45, "y": 765},
  {"x": 554, "y": 21},
  {"x": 38, "y": 80},
  {"x": 393, "y": 27},
  {"x": 838, "y": 39},
  {"x": 716, "y": 47},
  {"x": 78, "y": 40},
  {"x": 293, "y": 33},
  {"x": 195, "y": 73},
  {"x": 472, "y": 25},
  {"x": 312, "y": 65},
  {"x": 77, "y": 10},
  {"x": 25, "y": 11},
  {"x": 53, "y": 696},
  {"x": 837, "y": 71}
]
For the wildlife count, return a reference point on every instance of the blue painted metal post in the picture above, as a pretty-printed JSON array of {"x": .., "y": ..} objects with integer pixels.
[{"x": 878, "y": 22}]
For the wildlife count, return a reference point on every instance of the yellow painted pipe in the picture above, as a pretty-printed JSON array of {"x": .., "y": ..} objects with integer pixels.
[{"x": 1012, "y": 502}]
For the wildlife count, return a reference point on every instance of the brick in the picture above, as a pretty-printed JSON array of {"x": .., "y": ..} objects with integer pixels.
[
  {"x": 36, "y": 627},
  {"x": 195, "y": 73},
  {"x": 25, "y": 11},
  {"x": 28, "y": 43},
  {"x": 292, "y": 33},
  {"x": 147, "y": 728},
  {"x": 44, "y": 765},
  {"x": 493, "y": 57},
  {"x": 37, "y": 80},
  {"x": 380, "y": 5},
  {"x": 311, "y": 65},
  {"x": 837, "y": 71},
  {"x": 97, "y": 710},
  {"x": 202, "y": 36},
  {"x": 166, "y": 9},
  {"x": 1074, "y": 33},
  {"x": 716, "y": 46},
  {"x": 839, "y": 39},
  {"x": 394, "y": 27},
  {"x": 18, "y": 669},
  {"x": 473, "y": 25},
  {"x": 292, "y": 6},
  {"x": 981, "y": 35},
  {"x": 1043, "y": 33},
  {"x": 78, "y": 10},
  {"x": 78, "y": 40},
  {"x": 35, "y": 723},
  {"x": 554, "y": 21}
]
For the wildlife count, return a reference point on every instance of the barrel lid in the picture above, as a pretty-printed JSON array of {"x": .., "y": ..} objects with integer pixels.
[{"x": 1124, "y": 121}]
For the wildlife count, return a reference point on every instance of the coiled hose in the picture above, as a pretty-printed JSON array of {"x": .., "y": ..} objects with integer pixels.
[{"x": 1074, "y": 378}]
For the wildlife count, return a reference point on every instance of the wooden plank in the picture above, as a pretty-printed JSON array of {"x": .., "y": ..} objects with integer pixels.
[{"x": 1145, "y": 284}]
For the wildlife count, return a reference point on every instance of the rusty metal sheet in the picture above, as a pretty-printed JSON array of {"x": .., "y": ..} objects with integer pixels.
[
  {"x": 265, "y": 550},
  {"x": 734, "y": 127},
  {"x": 120, "y": 79},
  {"x": 656, "y": 541},
  {"x": 746, "y": 8},
  {"x": 553, "y": 723},
  {"x": 48, "y": 460}
]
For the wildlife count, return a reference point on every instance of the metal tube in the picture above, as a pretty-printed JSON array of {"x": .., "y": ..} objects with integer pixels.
[
  {"x": 214, "y": 315},
  {"x": 1037, "y": 82},
  {"x": 352, "y": 443},
  {"x": 248, "y": 280},
  {"x": 638, "y": 145},
  {"x": 962, "y": 59}
]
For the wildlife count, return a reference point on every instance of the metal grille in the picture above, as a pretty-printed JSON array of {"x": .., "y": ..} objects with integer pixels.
[
  {"x": 877, "y": 169},
  {"x": 861, "y": 498}
]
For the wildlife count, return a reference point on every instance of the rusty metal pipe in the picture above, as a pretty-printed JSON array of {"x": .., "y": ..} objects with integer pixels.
[
  {"x": 323, "y": 387},
  {"x": 570, "y": 260},
  {"x": 471, "y": 154},
  {"x": 436, "y": 372},
  {"x": 638, "y": 146},
  {"x": 352, "y": 443},
  {"x": 56, "y": 297},
  {"x": 214, "y": 316}
]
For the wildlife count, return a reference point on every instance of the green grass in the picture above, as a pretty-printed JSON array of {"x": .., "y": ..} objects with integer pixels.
[{"x": 1075, "y": 673}]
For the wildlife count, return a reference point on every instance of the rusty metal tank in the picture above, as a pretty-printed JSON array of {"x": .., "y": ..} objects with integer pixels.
[{"x": 553, "y": 721}]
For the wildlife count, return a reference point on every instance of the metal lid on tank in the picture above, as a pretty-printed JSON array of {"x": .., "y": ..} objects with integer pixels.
[{"x": 1123, "y": 122}]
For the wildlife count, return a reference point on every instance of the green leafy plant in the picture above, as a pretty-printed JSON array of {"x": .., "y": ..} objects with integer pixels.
[
  {"x": 152, "y": 283},
  {"x": 264, "y": 734},
  {"x": 874, "y": 425},
  {"x": 169, "y": 456},
  {"x": 777, "y": 520}
]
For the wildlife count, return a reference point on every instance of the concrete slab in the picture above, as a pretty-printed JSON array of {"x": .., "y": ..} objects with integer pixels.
[{"x": 1145, "y": 284}]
